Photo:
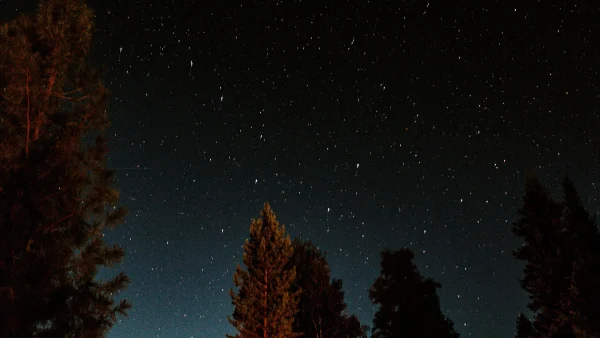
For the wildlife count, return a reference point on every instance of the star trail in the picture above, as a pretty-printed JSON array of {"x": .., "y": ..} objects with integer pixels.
[{"x": 365, "y": 124}]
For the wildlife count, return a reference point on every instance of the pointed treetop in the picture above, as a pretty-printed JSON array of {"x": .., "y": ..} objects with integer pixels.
[
  {"x": 579, "y": 218},
  {"x": 533, "y": 186},
  {"x": 265, "y": 305},
  {"x": 398, "y": 261},
  {"x": 267, "y": 212},
  {"x": 408, "y": 304}
]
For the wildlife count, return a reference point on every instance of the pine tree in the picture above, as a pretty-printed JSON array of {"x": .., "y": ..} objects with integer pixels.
[
  {"x": 524, "y": 327},
  {"x": 562, "y": 262},
  {"x": 264, "y": 306},
  {"x": 408, "y": 302},
  {"x": 322, "y": 309},
  {"x": 539, "y": 226},
  {"x": 352, "y": 328},
  {"x": 55, "y": 190},
  {"x": 582, "y": 302}
]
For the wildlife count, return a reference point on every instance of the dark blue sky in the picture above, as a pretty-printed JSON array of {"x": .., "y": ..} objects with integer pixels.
[{"x": 365, "y": 124}]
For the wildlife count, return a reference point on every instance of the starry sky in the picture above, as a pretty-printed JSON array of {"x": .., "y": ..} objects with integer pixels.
[{"x": 365, "y": 124}]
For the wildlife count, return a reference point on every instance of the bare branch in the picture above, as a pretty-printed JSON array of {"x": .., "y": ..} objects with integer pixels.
[
  {"x": 51, "y": 226},
  {"x": 28, "y": 118}
]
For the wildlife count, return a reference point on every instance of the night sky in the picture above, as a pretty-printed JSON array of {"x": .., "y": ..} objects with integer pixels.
[{"x": 365, "y": 124}]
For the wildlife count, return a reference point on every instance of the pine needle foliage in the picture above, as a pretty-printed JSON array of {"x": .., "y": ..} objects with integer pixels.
[
  {"x": 56, "y": 194},
  {"x": 264, "y": 306}
]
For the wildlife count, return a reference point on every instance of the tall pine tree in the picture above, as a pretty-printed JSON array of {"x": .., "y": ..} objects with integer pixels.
[
  {"x": 55, "y": 191},
  {"x": 408, "y": 302},
  {"x": 582, "y": 302},
  {"x": 264, "y": 306},
  {"x": 322, "y": 309},
  {"x": 561, "y": 262},
  {"x": 539, "y": 226}
]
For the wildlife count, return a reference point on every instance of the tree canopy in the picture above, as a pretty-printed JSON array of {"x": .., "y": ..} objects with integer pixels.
[
  {"x": 561, "y": 255},
  {"x": 264, "y": 305},
  {"x": 408, "y": 305},
  {"x": 56, "y": 194},
  {"x": 322, "y": 309}
]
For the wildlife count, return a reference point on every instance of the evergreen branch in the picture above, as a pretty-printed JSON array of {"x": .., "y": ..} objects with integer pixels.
[
  {"x": 277, "y": 263},
  {"x": 255, "y": 322},
  {"x": 276, "y": 319},
  {"x": 244, "y": 330},
  {"x": 51, "y": 226},
  {"x": 252, "y": 296}
]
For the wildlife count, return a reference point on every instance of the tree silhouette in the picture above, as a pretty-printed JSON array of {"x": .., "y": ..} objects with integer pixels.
[
  {"x": 322, "y": 309},
  {"x": 55, "y": 190},
  {"x": 539, "y": 226},
  {"x": 582, "y": 302},
  {"x": 264, "y": 306},
  {"x": 561, "y": 262},
  {"x": 524, "y": 327},
  {"x": 408, "y": 302}
]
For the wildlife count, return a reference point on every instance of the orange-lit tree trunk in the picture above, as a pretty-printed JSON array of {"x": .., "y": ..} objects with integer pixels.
[{"x": 265, "y": 304}]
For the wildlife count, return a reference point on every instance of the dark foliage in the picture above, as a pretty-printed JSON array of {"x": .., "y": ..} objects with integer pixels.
[
  {"x": 55, "y": 191},
  {"x": 408, "y": 302},
  {"x": 561, "y": 262},
  {"x": 322, "y": 309},
  {"x": 524, "y": 327}
]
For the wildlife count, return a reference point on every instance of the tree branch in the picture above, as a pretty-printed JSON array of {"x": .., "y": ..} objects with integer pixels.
[
  {"x": 28, "y": 119},
  {"x": 265, "y": 295},
  {"x": 61, "y": 96},
  {"x": 73, "y": 91},
  {"x": 250, "y": 332},
  {"x": 51, "y": 226},
  {"x": 51, "y": 81},
  {"x": 56, "y": 193},
  {"x": 50, "y": 84}
]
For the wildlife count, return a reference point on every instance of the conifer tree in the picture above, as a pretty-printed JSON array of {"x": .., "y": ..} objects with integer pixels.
[
  {"x": 524, "y": 327},
  {"x": 582, "y": 302},
  {"x": 322, "y": 309},
  {"x": 539, "y": 226},
  {"x": 561, "y": 262},
  {"x": 55, "y": 190},
  {"x": 408, "y": 303},
  {"x": 264, "y": 306},
  {"x": 351, "y": 327}
]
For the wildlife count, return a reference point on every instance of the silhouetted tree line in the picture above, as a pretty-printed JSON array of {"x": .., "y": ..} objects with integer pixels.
[
  {"x": 286, "y": 290},
  {"x": 561, "y": 251},
  {"x": 56, "y": 200}
]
